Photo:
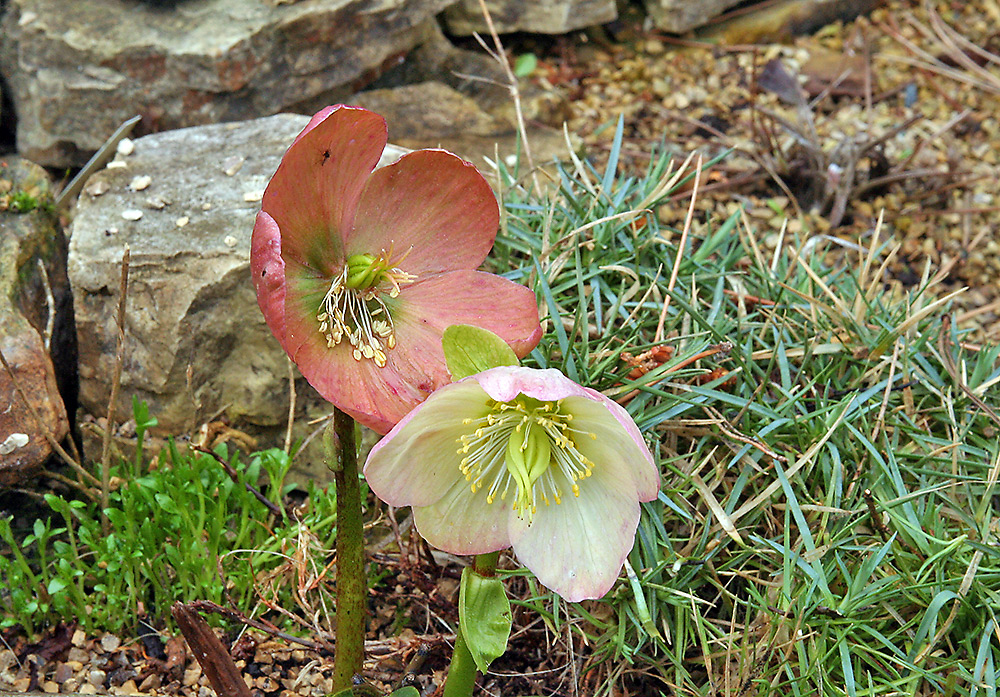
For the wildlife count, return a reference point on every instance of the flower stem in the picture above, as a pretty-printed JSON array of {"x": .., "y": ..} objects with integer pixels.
[
  {"x": 462, "y": 671},
  {"x": 352, "y": 584}
]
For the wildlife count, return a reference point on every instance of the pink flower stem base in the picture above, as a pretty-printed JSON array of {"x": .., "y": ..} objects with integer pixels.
[
  {"x": 352, "y": 583},
  {"x": 462, "y": 671}
]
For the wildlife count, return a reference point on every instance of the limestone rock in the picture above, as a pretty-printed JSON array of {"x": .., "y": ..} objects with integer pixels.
[
  {"x": 196, "y": 345},
  {"x": 683, "y": 15},
  {"x": 538, "y": 16},
  {"x": 432, "y": 114},
  {"x": 76, "y": 70},
  {"x": 33, "y": 289}
]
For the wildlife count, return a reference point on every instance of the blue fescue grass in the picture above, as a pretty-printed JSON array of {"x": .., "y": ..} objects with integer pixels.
[{"x": 827, "y": 522}]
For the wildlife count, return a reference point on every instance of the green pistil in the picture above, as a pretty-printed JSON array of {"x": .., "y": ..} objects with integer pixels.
[
  {"x": 363, "y": 271},
  {"x": 519, "y": 448}
]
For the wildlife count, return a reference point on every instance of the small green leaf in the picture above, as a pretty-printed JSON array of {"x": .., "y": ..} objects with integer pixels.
[
  {"x": 525, "y": 64},
  {"x": 408, "y": 691},
  {"x": 470, "y": 350},
  {"x": 485, "y": 617}
]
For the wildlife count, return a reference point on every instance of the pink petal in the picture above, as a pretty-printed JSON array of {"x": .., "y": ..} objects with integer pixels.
[
  {"x": 377, "y": 397},
  {"x": 268, "y": 271},
  {"x": 577, "y": 547},
  {"x": 431, "y": 204},
  {"x": 463, "y": 523},
  {"x": 418, "y": 461},
  {"x": 430, "y": 306},
  {"x": 507, "y": 382},
  {"x": 314, "y": 194},
  {"x": 617, "y": 440}
]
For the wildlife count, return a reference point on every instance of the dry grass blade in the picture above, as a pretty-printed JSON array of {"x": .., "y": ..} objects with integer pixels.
[{"x": 116, "y": 377}]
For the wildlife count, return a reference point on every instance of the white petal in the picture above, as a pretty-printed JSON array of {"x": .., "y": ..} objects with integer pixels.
[
  {"x": 577, "y": 547},
  {"x": 461, "y": 522},
  {"x": 417, "y": 462},
  {"x": 618, "y": 443}
]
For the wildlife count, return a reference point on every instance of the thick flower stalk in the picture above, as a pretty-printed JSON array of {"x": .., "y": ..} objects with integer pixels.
[
  {"x": 522, "y": 458},
  {"x": 359, "y": 270}
]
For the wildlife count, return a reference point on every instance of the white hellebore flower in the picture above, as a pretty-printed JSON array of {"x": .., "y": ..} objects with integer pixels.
[{"x": 522, "y": 458}]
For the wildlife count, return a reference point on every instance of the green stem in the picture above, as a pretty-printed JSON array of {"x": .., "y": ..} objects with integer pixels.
[
  {"x": 462, "y": 671},
  {"x": 352, "y": 584}
]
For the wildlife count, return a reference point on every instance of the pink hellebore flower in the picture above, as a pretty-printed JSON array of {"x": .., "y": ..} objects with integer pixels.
[
  {"x": 522, "y": 458},
  {"x": 358, "y": 272}
]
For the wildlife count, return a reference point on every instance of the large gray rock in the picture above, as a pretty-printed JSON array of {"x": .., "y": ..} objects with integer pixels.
[
  {"x": 432, "y": 114},
  {"x": 538, "y": 16},
  {"x": 33, "y": 289},
  {"x": 191, "y": 303},
  {"x": 683, "y": 15},
  {"x": 77, "y": 69}
]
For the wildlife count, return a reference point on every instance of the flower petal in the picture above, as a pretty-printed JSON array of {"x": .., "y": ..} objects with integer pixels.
[
  {"x": 377, "y": 397},
  {"x": 432, "y": 206},
  {"x": 430, "y": 306},
  {"x": 463, "y": 523},
  {"x": 417, "y": 462},
  {"x": 314, "y": 194},
  {"x": 268, "y": 271},
  {"x": 617, "y": 439},
  {"x": 577, "y": 547},
  {"x": 507, "y": 382}
]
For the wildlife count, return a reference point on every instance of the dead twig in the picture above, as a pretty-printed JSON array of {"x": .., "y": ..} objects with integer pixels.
[
  {"x": 213, "y": 657},
  {"x": 116, "y": 376}
]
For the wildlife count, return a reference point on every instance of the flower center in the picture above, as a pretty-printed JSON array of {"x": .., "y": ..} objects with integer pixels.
[
  {"x": 520, "y": 448},
  {"x": 353, "y": 307}
]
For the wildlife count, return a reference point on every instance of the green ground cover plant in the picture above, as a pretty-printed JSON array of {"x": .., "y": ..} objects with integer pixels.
[
  {"x": 181, "y": 529},
  {"x": 829, "y": 444}
]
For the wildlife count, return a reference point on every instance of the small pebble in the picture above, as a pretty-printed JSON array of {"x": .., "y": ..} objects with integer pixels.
[
  {"x": 109, "y": 642},
  {"x": 64, "y": 672},
  {"x": 231, "y": 165},
  {"x": 96, "y": 678},
  {"x": 132, "y": 214},
  {"x": 230, "y": 241},
  {"x": 13, "y": 442},
  {"x": 206, "y": 206},
  {"x": 140, "y": 182},
  {"x": 253, "y": 196},
  {"x": 126, "y": 147},
  {"x": 116, "y": 164},
  {"x": 97, "y": 187},
  {"x": 182, "y": 221}
]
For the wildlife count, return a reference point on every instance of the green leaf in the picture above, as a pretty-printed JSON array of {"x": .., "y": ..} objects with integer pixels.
[
  {"x": 485, "y": 617},
  {"x": 408, "y": 691},
  {"x": 525, "y": 64},
  {"x": 470, "y": 350}
]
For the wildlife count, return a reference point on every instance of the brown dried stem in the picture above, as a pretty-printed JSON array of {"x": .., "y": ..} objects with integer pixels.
[{"x": 116, "y": 376}]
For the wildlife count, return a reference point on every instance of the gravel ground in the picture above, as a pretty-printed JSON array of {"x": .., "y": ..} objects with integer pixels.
[{"x": 900, "y": 118}]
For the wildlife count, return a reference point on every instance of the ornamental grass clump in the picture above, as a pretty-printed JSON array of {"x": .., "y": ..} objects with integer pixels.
[{"x": 359, "y": 270}]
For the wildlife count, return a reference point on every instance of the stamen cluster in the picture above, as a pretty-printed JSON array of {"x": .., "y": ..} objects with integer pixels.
[
  {"x": 527, "y": 445},
  {"x": 353, "y": 307}
]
